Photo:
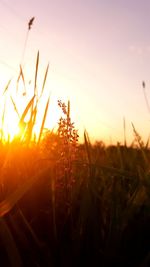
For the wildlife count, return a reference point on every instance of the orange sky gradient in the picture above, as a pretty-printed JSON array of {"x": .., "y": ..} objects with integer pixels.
[{"x": 99, "y": 54}]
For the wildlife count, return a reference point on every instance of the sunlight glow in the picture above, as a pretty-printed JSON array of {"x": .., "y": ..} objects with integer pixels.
[
  {"x": 13, "y": 105},
  {"x": 9, "y": 122}
]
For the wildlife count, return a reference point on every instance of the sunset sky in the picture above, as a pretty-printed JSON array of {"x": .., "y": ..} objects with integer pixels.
[{"x": 99, "y": 54}]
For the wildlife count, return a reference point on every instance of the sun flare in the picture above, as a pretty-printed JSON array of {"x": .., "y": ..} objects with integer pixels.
[
  {"x": 27, "y": 109},
  {"x": 19, "y": 115},
  {"x": 9, "y": 125}
]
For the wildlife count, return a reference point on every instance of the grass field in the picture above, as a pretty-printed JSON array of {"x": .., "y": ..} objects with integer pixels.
[{"x": 70, "y": 204}]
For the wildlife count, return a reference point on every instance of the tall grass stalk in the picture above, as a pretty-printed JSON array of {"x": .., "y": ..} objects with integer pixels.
[
  {"x": 26, "y": 38},
  {"x": 124, "y": 131},
  {"x": 43, "y": 121}
]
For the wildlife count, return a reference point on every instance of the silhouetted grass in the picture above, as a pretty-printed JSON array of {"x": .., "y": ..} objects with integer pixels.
[{"x": 68, "y": 204}]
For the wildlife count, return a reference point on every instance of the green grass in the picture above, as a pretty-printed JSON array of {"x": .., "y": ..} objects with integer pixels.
[{"x": 68, "y": 204}]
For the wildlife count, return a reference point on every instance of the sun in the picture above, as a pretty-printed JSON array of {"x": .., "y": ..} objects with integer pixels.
[
  {"x": 9, "y": 125},
  {"x": 12, "y": 110},
  {"x": 19, "y": 109},
  {"x": 9, "y": 118}
]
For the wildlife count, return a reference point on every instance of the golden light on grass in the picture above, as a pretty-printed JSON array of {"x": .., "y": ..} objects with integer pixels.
[
  {"x": 23, "y": 115},
  {"x": 27, "y": 110},
  {"x": 8, "y": 120}
]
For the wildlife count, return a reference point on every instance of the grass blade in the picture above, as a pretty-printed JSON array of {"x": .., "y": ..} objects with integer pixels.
[
  {"x": 43, "y": 121},
  {"x": 45, "y": 77},
  {"x": 15, "y": 108},
  {"x": 36, "y": 73},
  {"x": 141, "y": 144},
  {"x": 21, "y": 75},
  {"x": 124, "y": 131},
  {"x": 87, "y": 146},
  {"x": 26, "y": 110},
  {"x": 30, "y": 125},
  {"x": 7, "y": 85}
]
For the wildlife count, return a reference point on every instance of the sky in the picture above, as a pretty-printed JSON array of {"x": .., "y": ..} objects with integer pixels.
[{"x": 98, "y": 53}]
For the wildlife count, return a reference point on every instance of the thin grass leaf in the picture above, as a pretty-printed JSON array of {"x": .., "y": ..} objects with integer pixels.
[
  {"x": 68, "y": 109},
  {"x": 29, "y": 228},
  {"x": 87, "y": 147},
  {"x": 141, "y": 145},
  {"x": 21, "y": 75},
  {"x": 30, "y": 125},
  {"x": 15, "y": 108},
  {"x": 44, "y": 81},
  {"x": 124, "y": 131},
  {"x": 26, "y": 110},
  {"x": 145, "y": 96},
  {"x": 43, "y": 121},
  {"x": 7, "y": 85},
  {"x": 36, "y": 73}
]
